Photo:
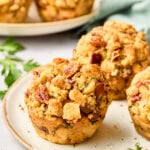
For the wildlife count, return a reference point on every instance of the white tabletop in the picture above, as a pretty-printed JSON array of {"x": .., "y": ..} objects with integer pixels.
[{"x": 42, "y": 49}]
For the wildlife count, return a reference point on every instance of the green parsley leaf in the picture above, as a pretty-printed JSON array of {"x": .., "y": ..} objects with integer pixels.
[
  {"x": 12, "y": 76},
  {"x": 2, "y": 93},
  {"x": 29, "y": 65},
  {"x": 10, "y": 46},
  {"x": 137, "y": 147},
  {"x": 14, "y": 58},
  {"x": 5, "y": 63}
]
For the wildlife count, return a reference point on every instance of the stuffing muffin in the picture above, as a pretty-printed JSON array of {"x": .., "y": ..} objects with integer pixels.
[
  {"x": 149, "y": 58},
  {"x": 66, "y": 101},
  {"x": 14, "y": 11},
  {"x": 53, "y": 10},
  {"x": 118, "y": 49},
  {"x": 138, "y": 95}
]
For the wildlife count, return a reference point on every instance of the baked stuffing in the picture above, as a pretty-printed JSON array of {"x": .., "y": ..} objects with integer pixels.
[
  {"x": 67, "y": 101},
  {"x": 14, "y": 11},
  {"x": 53, "y": 10},
  {"x": 118, "y": 49},
  {"x": 138, "y": 95}
]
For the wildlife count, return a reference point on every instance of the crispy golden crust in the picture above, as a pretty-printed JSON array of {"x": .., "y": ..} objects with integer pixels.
[
  {"x": 52, "y": 10},
  {"x": 118, "y": 49},
  {"x": 138, "y": 95},
  {"x": 66, "y": 93},
  {"x": 14, "y": 11}
]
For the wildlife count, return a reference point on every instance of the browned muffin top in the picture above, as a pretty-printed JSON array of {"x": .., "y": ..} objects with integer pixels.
[
  {"x": 68, "y": 90},
  {"x": 14, "y": 11},
  {"x": 52, "y": 10},
  {"x": 118, "y": 49}
]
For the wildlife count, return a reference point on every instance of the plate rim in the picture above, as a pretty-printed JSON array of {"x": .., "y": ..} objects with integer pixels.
[
  {"x": 6, "y": 120},
  {"x": 38, "y": 24}
]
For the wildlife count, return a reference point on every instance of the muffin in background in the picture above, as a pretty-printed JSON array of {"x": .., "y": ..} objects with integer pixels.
[
  {"x": 118, "y": 49},
  {"x": 66, "y": 101},
  {"x": 53, "y": 10},
  {"x": 138, "y": 95},
  {"x": 14, "y": 11}
]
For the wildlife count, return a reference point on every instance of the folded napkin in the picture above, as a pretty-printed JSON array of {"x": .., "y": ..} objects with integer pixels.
[{"x": 135, "y": 12}]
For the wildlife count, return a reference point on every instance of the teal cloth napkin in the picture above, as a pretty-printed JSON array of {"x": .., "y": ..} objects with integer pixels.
[{"x": 135, "y": 12}]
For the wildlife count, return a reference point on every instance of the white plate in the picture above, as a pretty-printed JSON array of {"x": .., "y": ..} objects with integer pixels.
[
  {"x": 34, "y": 26},
  {"x": 39, "y": 28},
  {"x": 116, "y": 132}
]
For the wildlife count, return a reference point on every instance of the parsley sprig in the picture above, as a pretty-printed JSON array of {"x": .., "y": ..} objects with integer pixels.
[
  {"x": 10, "y": 46},
  {"x": 137, "y": 147},
  {"x": 13, "y": 67}
]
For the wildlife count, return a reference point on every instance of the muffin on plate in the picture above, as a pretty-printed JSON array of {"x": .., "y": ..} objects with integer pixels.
[
  {"x": 14, "y": 11},
  {"x": 53, "y": 10},
  {"x": 138, "y": 95},
  {"x": 118, "y": 49},
  {"x": 66, "y": 101}
]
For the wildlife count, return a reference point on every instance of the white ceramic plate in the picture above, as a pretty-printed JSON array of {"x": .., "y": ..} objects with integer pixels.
[
  {"x": 116, "y": 132},
  {"x": 34, "y": 25},
  {"x": 39, "y": 28}
]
